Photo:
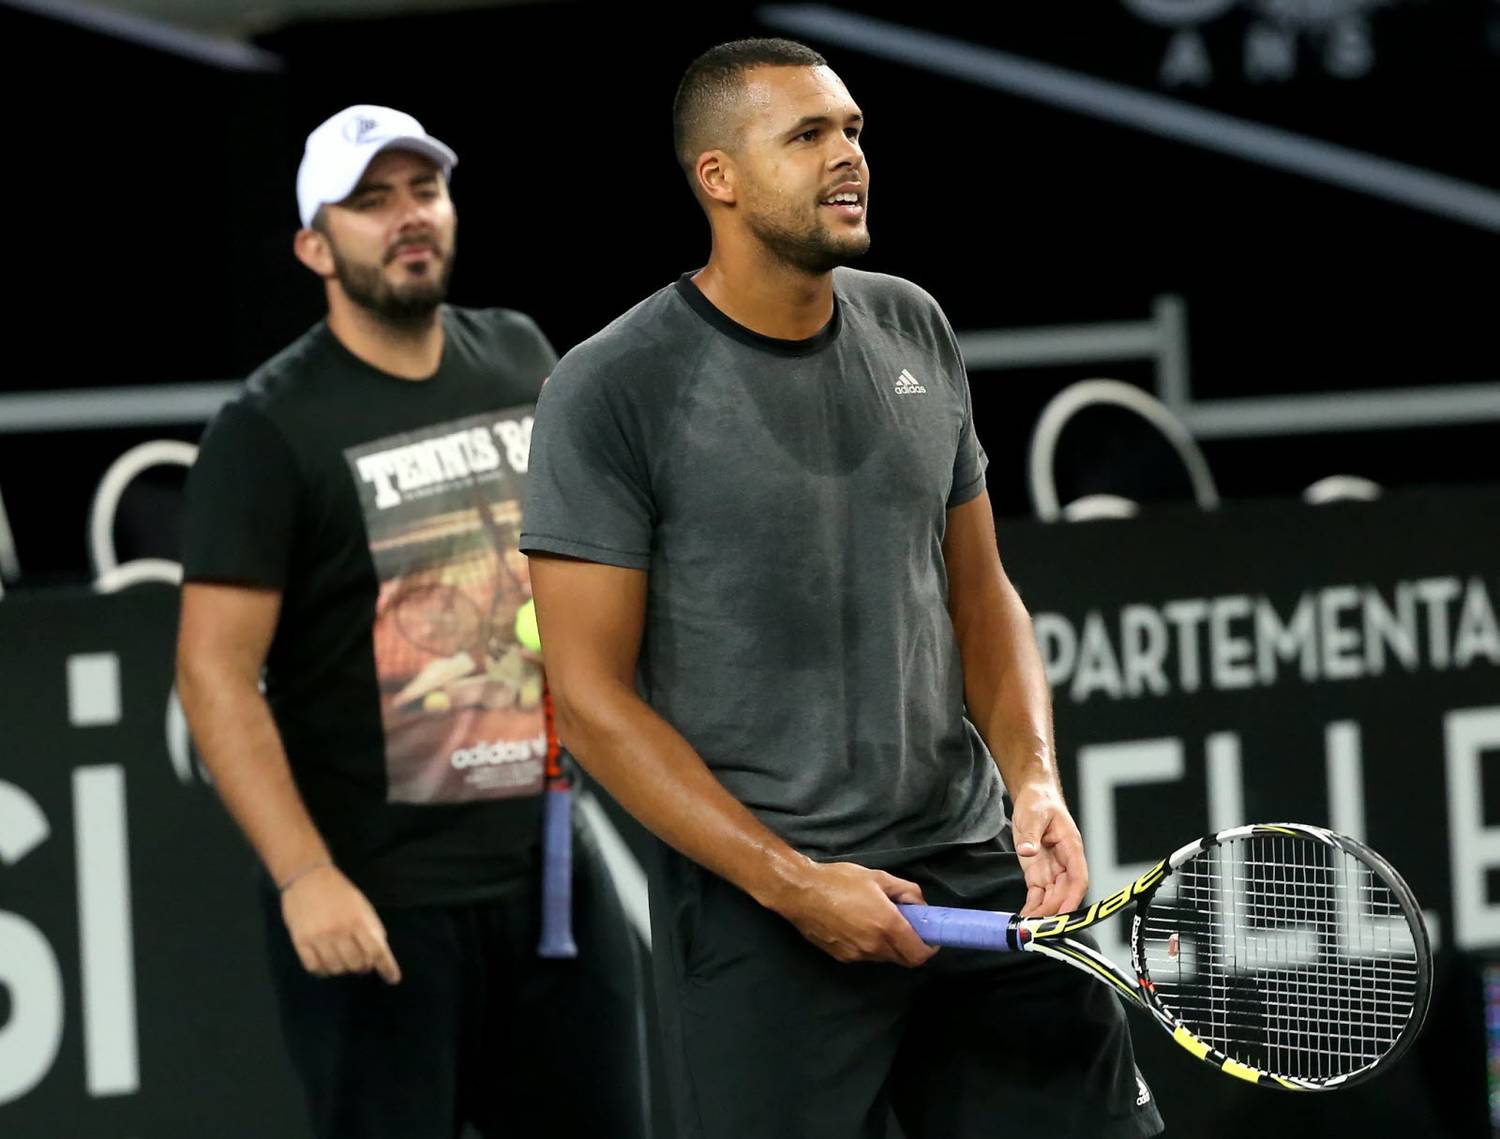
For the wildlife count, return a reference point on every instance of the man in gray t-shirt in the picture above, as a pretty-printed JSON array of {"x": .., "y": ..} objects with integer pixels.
[
  {"x": 787, "y": 502},
  {"x": 777, "y": 629}
]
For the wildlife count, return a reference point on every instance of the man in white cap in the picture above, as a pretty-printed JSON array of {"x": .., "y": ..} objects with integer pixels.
[
  {"x": 384, "y": 283},
  {"x": 349, "y": 534}
]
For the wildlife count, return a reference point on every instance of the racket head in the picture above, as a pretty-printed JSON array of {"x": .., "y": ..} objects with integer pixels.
[
  {"x": 1285, "y": 954},
  {"x": 438, "y": 618}
]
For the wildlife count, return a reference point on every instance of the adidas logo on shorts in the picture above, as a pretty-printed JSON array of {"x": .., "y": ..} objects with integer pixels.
[
  {"x": 906, "y": 384},
  {"x": 1143, "y": 1096}
]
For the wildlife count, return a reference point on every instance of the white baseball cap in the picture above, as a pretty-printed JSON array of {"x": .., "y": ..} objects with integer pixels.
[{"x": 338, "y": 151}]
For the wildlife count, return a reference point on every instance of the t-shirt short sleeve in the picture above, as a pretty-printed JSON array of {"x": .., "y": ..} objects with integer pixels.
[
  {"x": 240, "y": 510},
  {"x": 588, "y": 495},
  {"x": 970, "y": 461},
  {"x": 542, "y": 356}
]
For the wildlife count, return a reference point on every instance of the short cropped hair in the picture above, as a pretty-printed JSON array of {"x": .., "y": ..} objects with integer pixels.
[{"x": 702, "y": 112}]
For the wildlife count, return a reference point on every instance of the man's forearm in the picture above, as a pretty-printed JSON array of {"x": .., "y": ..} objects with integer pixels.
[
  {"x": 656, "y": 775},
  {"x": 1005, "y": 687},
  {"x": 237, "y": 737}
]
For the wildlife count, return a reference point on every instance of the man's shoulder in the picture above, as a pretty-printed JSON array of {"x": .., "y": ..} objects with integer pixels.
[
  {"x": 885, "y": 297},
  {"x": 652, "y": 341},
  {"x": 285, "y": 375},
  {"x": 898, "y": 308},
  {"x": 491, "y": 325},
  {"x": 296, "y": 394}
]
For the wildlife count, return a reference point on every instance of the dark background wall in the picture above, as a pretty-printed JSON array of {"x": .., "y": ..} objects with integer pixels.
[{"x": 152, "y": 212}]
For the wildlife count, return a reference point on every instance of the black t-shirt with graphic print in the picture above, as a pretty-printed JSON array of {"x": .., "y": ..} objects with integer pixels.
[
  {"x": 788, "y": 500},
  {"x": 386, "y": 511}
]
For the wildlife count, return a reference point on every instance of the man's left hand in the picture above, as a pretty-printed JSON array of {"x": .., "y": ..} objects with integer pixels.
[{"x": 1051, "y": 852}]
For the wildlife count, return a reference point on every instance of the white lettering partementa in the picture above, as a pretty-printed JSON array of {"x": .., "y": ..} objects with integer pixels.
[{"x": 1238, "y": 641}]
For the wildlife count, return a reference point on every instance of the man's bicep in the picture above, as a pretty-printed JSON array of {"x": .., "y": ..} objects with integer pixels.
[
  {"x": 971, "y": 552},
  {"x": 227, "y": 626},
  {"x": 590, "y": 617}
]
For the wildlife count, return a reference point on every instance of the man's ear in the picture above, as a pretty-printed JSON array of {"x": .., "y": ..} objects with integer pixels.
[
  {"x": 717, "y": 177},
  {"x": 313, "y": 250}
]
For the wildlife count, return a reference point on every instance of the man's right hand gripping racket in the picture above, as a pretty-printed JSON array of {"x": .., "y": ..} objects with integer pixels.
[{"x": 1283, "y": 954}]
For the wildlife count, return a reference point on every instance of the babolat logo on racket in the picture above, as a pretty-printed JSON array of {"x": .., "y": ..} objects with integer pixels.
[{"x": 1068, "y": 923}]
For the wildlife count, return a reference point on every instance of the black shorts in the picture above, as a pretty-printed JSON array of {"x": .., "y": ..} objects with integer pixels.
[
  {"x": 767, "y": 1037},
  {"x": 480, "y": 1031}
]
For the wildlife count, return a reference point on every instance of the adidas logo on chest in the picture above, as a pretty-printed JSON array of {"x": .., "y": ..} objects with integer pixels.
[{"x": 906, "y": 384}]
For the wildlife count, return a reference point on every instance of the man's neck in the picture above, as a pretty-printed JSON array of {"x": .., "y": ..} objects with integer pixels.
[
  {"x": 407, "y": 352},
  {"x": 764, "y": 294}
]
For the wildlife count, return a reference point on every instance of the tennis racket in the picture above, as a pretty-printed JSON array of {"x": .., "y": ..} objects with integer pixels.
[
  {"x": 1286, "y": 955},
  {"x": 444, "y": 616},
  {"x": 557, "y": 811},
  {"x": 439, "y": 619},
  {"x": 557, "y": 851}
]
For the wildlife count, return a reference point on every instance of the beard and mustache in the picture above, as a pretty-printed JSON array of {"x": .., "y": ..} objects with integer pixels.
[
  {"x": 405, "y": 304},
  {"x": 809, "y": 247}
]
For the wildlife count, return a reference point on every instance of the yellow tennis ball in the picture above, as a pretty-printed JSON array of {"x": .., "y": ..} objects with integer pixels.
[{"x": 526, "y": 631}]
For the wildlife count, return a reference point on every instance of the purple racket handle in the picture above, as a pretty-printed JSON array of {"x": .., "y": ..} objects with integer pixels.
[
  {"x": 961, "y": 929},
  {"x": 557, "y": 875}
]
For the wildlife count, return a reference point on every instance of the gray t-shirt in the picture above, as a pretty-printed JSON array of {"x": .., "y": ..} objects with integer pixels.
[{"x": 788, "y": 500}]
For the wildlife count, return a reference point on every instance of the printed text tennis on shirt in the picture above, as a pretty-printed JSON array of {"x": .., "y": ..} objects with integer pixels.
[{"x": 431, "y": 464}]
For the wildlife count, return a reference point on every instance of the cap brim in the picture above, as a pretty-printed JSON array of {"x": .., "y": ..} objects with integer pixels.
[
  {"x": 426, "y": 147},
  {"x": 317, "y": 187}
]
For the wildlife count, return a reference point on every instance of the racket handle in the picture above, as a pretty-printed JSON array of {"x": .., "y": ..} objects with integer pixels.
[
  {"x": 961, "y": 929},
  {"x": 557, "y": 875}
]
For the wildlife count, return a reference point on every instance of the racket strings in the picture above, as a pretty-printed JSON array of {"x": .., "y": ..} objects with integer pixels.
[
  {"x": 442, "y": 609},
  {"x": 440, "y": 587},
  {"x": 1285, "y": 953}
]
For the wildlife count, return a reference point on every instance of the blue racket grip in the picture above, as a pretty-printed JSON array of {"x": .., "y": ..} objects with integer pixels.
[
  {"x": 557, "y": 875},
  {"x": 961, "y": 929}
]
